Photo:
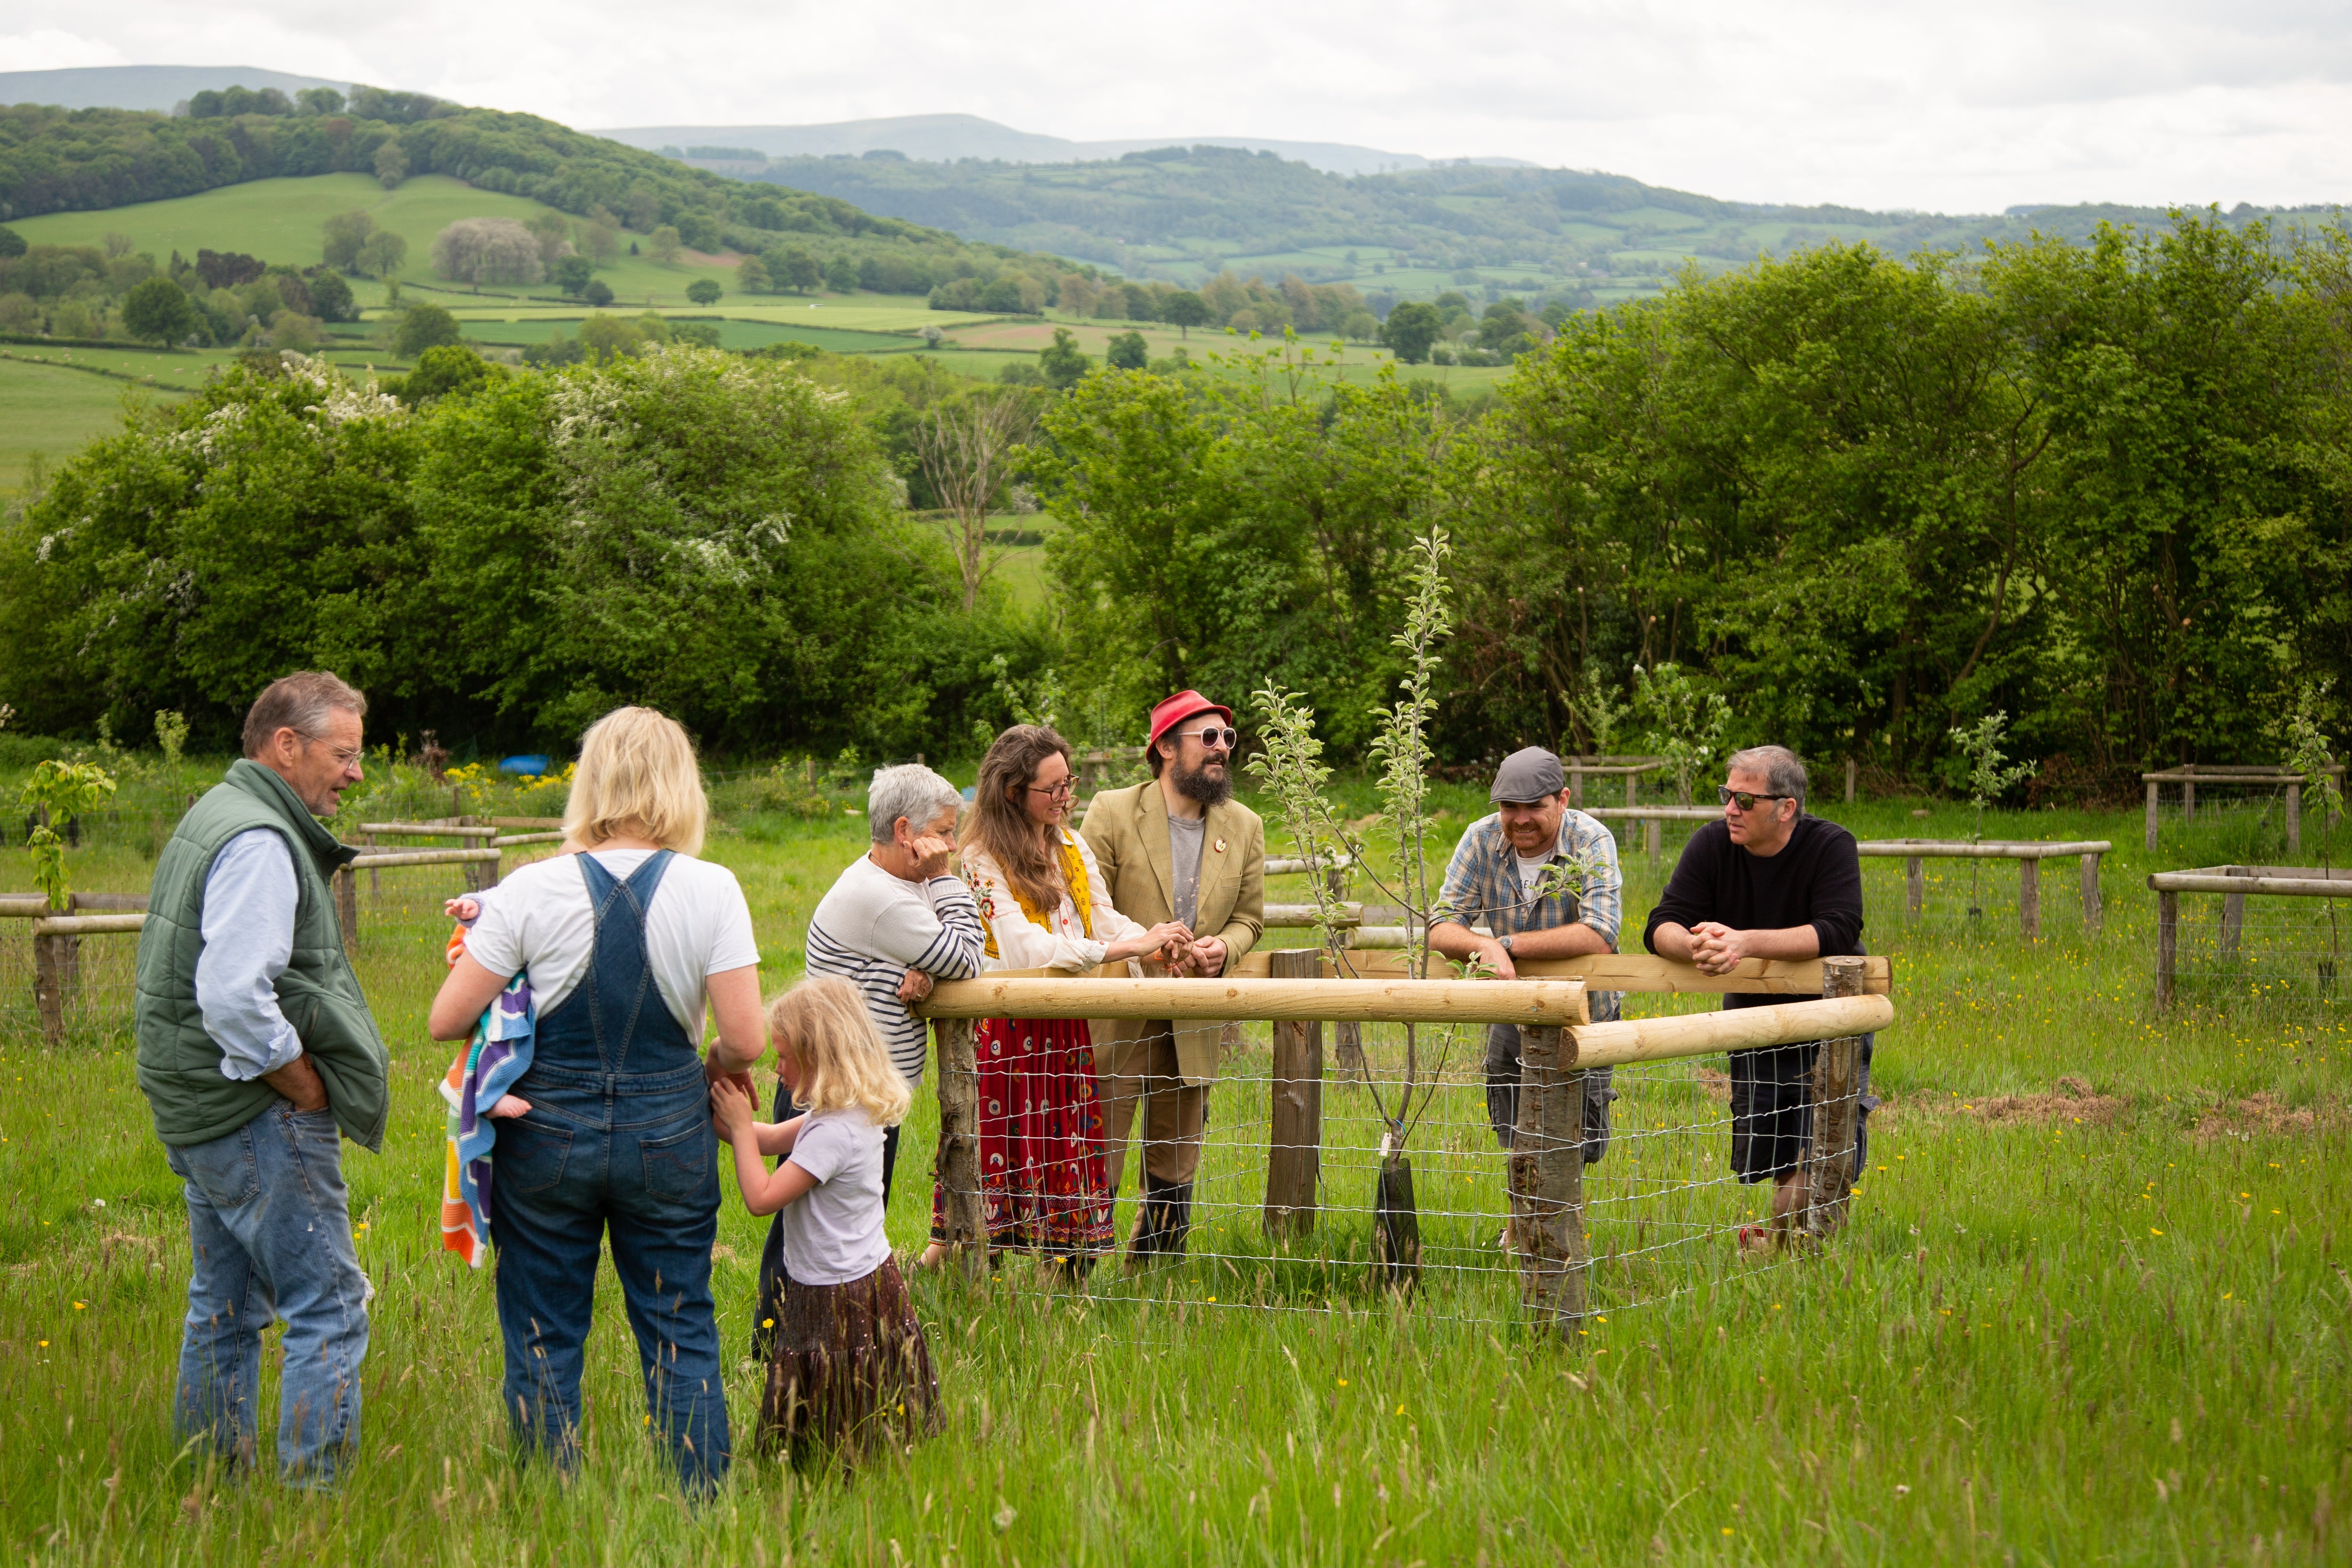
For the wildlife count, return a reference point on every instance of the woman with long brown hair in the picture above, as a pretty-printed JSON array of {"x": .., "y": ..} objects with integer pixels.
[{"x": 1044, "y": 906}]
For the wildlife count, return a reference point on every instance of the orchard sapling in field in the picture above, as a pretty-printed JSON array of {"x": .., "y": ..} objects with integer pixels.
[
  {"x": 2308, "y": 754},
  {"x": 1990, "y": 773},
  {"x": 1592, "y": 707},
  {"x": 1686, "y": 725},
  {"x": 1296, "y": 777},
  {"x": 58, "y": 792}
]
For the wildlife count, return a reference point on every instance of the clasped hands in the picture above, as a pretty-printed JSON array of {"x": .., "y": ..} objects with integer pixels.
[
  {"x": 1172, "y": 945},
  {"x": 1717, "y": 948}
]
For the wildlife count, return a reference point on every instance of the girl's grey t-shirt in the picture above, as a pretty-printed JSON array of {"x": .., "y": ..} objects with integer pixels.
[{"x": 834, "y": 1234}]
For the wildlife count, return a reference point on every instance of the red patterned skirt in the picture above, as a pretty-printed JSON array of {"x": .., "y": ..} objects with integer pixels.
[{"x": 1041, "y": 1184}]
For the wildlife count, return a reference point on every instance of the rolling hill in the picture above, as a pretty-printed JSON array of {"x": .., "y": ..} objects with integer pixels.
[
  {"x": 948, "y": 138},
  {"x": 1180, "y": 213},
  {"x": 157, "y": 88}
]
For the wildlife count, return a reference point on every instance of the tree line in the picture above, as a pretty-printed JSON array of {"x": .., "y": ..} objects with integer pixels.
[
  {"x": 499, "y": 555},
  {"x": 2104, "y": 490}
]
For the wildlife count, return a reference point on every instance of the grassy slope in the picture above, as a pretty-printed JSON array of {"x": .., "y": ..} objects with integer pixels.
[
  {"x": 53, "y": 411},
  {"x": 280, "y": 220},
  {"x": 2042, "y": 1341}
]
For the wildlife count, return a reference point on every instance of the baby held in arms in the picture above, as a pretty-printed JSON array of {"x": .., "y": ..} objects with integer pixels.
[{"x": 465, "y": 910}]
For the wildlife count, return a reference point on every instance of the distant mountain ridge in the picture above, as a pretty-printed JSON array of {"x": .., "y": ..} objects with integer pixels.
[
  {"x": 157, "y": 88},
  {"x": 948, "y": 138}
]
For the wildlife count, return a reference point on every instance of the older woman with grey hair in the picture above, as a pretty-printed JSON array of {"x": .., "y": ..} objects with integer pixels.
[{"x": 896, "y": 920}]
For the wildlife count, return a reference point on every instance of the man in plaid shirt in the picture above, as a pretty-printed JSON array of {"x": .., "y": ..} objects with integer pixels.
[{"x": 1544, "y": 879}]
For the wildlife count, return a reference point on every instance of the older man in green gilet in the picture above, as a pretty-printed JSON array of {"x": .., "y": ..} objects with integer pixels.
[{"x": 257, "y": 1053}]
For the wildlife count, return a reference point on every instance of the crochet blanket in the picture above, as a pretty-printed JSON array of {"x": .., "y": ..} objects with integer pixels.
[{"x": 496, "y": 1055}]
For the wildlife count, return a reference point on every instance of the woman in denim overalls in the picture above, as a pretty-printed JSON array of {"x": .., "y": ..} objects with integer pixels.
[{"x": 617, "y": 1138}]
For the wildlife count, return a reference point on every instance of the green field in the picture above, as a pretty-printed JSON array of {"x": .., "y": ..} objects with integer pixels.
[
  {"x": 280, "y": 220},
  {"x": 2090, "y": 1308},
  {"x": 55, "y": 411}
]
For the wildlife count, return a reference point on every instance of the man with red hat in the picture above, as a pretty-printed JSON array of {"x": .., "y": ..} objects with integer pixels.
[{"x": 1176, "y": 848}]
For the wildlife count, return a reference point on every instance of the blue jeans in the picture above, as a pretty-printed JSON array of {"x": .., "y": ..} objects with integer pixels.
[
  {"x": 632, "y": 1155},
  {"x": 269, "y": 1221}
]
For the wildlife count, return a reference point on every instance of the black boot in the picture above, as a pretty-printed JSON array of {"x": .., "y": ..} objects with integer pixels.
[{"x": 1166, "y": 1219}]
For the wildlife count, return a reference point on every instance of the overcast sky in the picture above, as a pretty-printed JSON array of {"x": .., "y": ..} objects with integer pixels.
[{"x": 1899, "y": 103}]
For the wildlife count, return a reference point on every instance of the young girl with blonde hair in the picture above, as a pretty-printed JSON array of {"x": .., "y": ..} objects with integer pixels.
[{"x": 850, "y": 1361}]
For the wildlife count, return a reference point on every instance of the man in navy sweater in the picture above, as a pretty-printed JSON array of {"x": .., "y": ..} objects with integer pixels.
[{"x": 1766, "y": 882}]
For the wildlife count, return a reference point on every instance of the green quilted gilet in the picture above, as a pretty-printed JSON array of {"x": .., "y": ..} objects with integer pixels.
[{"x": 179, "y": 1065}]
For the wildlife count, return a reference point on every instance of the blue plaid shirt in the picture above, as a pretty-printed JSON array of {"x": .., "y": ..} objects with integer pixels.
[{"x": 1483, "y": 887}]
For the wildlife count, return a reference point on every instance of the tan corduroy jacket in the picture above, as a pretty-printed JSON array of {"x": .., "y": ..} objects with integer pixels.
[{"x": 1127, "y": 830}]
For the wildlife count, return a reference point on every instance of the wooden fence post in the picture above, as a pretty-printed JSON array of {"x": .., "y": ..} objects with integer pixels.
[
  {"x": 2094, "y": 911},
  {"x": 347, "y": 911},
  {"x": 2029, "y": 898},
  {"x": 1546, "y": 1177},
  {"x": 2293, "y": 820},
  {"x": 2168, "y": 931},
  {"x": 1914, "y": 884},
  {"x": 1654, "y": 838},
  {"x": 1629, "y": 779},
  {"x": 2233, "y": 912},
  {"x": 1348, "y": 1035},
  {"x": 375, "y": 877},
  {"x": 1850, "y": 771},
  {"x": 57, "y": 966},
  {"x": 2189, "y": 799},
  {"x": 1837, "y": 1093},
  {"x": 1294, "y": 1133},
  {"x": 958, "y": 1159},
  {"x": 2152, "y": 788}
]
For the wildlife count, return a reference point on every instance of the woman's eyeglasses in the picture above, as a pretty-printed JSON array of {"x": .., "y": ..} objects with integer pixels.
[
  {"x": 1746, "y": 798},
  {"x": 1216, "y": 735},
  {"x": 1062, "y": 791}
]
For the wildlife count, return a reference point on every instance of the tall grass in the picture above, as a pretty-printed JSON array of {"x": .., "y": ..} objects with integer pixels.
[{"x": 2106, "y": 1323}]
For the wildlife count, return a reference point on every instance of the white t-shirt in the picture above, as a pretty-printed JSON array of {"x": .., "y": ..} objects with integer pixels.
[
  {"x": 1531, "y": 873},
  {"x": 834, "y": 1234},
  {"x": 540, "y": 920}
]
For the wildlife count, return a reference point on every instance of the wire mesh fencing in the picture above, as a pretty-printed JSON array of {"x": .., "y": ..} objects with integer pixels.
[
  {"x": 1660, "y": 1209},
  {"x": 2257, "y": 939}
]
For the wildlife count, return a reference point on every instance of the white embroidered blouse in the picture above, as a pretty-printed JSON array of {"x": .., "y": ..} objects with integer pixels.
[{"x": 1065, "y": 944}]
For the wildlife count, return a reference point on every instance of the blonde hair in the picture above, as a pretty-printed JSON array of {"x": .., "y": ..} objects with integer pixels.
[
  {"x": 636, "y": 778},
  {"x": 841, "y": 1056}
]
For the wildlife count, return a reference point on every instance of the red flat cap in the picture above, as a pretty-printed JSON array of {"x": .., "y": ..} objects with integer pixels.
[{"x": 1174, "y": 710}]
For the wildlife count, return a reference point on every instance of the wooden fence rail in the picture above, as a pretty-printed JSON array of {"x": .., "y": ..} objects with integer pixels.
[
  {"x": 2189, "y": 777},
  {"x": 2236, "y": 884},
  {"x": 2029, "y": 855}
]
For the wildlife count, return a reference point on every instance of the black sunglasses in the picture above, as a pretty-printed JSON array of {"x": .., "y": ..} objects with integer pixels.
[{"x": 1745, "y": 798}]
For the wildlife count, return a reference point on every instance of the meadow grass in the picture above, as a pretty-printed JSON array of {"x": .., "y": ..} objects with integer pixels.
[
  {"x": 52, "y": 411},
  {"x": 2120, "y": 1338}
]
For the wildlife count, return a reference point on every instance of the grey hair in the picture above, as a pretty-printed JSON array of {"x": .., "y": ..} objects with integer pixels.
[
  {"x": 910, "y": 790},
  {"x": 1783, "y": 769},
  {"x": 299, "y": 702}
]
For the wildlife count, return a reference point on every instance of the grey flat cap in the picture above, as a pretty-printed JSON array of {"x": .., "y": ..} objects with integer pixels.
[{"x": 1528, "y": 774}]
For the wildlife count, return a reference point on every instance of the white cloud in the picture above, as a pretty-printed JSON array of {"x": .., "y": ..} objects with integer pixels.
[
  {"x": 53, "y": 49},
  {"x": 1904, "y": 103}
]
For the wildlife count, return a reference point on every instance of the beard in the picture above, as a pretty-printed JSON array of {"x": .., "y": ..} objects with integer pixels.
[{"x": 1200, "y": 784}]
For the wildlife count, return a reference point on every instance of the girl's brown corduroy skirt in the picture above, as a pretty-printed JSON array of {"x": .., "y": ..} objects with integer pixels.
[{"x": 851, "y": 1369}]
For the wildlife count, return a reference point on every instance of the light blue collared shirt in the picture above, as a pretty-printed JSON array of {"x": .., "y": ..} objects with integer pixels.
[{"x": 248, "y": 931}]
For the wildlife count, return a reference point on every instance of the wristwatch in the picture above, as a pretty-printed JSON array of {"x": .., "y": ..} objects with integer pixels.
[{"x": 1504, "y": 941}]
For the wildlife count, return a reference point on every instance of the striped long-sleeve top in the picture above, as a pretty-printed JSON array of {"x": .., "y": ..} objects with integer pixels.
[{"x": 872, "y": 927}]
